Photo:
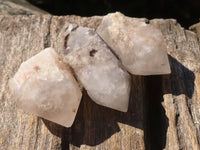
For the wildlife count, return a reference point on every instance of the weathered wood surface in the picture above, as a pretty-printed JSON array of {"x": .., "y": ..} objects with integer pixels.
[
  {"x": 19, "y": 7},
  {"x": 164, "y": 111},
  {"x": 181, "y": 90}
]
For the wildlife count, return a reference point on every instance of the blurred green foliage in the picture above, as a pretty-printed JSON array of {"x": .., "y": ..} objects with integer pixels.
[{"x": 187, "y": 12}]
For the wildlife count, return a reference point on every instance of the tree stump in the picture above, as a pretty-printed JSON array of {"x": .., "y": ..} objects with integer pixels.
[{"x": 164, "y": 110}]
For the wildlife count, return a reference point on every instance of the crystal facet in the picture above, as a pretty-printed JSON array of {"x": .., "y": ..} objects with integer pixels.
[
  {"x": 97, "y": 69},
  {"x": 140, "y": 46},
  {"x": 45, "y": 86}
]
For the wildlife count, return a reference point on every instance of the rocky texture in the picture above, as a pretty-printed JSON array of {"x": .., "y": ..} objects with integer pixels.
[
  {"x": 19, "y": 7},
  {"x": 196, "y": 28},
  {"x": 163, "y": 110},
  {"x": 98, "y": 70},
  {"x": 140, "y": 46},
  {"x": 44, "y": 86},
  {"x": 181, "y": 89}
]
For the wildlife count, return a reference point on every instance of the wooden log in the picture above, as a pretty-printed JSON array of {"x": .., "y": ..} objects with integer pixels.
[
  {"x": 180, "y": 90},
  {"x": 164, "y": 111},
  {"x": 19, "y": 7}
]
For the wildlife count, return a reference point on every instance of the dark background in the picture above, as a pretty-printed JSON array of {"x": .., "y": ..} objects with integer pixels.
[{"x": 187, "y": 12}]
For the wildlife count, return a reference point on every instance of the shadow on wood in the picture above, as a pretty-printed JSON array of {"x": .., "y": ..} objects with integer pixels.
[
  {"x": 157, "y": 121},
  {"x": 94, "y": 123},
  {"x": 180, "y": 81}
]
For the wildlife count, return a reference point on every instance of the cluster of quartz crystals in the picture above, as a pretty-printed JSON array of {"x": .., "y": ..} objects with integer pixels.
[{"x": 45, "y": 86}]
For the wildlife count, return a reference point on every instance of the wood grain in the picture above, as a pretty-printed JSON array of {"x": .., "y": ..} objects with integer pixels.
[{"x": 164, "y": 111}]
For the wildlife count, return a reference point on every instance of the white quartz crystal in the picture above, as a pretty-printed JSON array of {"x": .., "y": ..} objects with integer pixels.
[
  {"x": 45, "y": 86},
  {"x": 140, "y": 46},
  {"x": 98, "y": 70}
]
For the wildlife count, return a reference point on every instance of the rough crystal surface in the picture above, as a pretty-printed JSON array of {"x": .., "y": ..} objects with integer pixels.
[
  {"x": 45, "y": 86},
  {"x": 98, "y": 70},
  {"x": 139, "y": 45}
]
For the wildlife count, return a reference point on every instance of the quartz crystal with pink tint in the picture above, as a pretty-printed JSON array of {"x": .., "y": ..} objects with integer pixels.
[
  {"x": 98, "y": 69},
  {"x": 45, "y": 86},
  {"x": 140, "y": 46}
]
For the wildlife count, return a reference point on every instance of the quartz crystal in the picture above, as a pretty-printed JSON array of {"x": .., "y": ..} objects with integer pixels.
[
  {"x": 97, "y": 69},
  {"x": 139, "y": 45},
  {"x": 45, "y": 86}
]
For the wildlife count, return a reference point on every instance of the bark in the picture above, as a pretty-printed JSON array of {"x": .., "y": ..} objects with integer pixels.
[{"x": 164, "y": 111}]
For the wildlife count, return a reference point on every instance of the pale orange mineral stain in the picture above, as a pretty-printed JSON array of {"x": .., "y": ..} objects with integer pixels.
[
  {"x": 74, "y": 110},
  {"x": 36, "y": 68}
]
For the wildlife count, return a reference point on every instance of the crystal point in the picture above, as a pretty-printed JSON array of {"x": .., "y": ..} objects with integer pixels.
[
  {"x": 45, "y": 86},
  {"x": 98, "y": 70},
  {"x": 139, "y": 45}
]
